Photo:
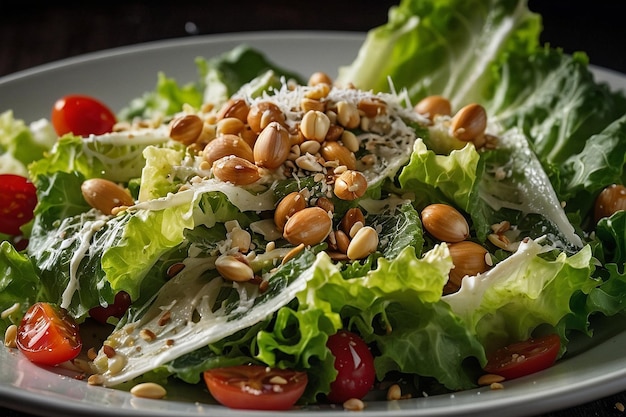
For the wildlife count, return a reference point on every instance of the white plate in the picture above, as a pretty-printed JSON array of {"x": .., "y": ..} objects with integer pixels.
[{"x": 116, "y": 76}]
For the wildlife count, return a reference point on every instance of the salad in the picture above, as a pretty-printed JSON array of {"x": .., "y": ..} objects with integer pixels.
[{"x": 446, "y": 213}]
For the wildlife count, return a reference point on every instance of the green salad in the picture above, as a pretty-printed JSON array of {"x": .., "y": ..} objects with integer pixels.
[{"x": 453, "y": 193}]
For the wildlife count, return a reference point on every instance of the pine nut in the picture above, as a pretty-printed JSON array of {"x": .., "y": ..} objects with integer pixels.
[
  {"x": 310, "y": 146},
  {"x": 292, "y": 253},
  {"x": 307, "y": 104},
  {"x": 8, "y": 311},
  {"x": 350, "y": 141},
  {"x": 354, "y": 404},
  {"x": 352, "y": 216},
  {"x": 334, "y": 151},
  {"x": 227, "y": 145},
  {"x": 394, "y": 393},
  {"x": 318, "y": 91},
  {"x": 489, "y": 379},
  {"x": 235, "y": 170},
  {"x": 10, "y": 336},
  {"x": 148, "y": 390},
  {"x": 230, "y": 268},
  {"x": 364, "y": 243}
]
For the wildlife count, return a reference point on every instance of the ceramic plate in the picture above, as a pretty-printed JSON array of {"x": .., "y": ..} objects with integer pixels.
[{"x": 589, "y": 371}]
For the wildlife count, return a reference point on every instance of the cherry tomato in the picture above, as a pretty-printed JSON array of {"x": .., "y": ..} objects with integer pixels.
[
  {"x": 355, "y": 366},
  {"x": 18, "y": 199},
  {"x": 82, "y": 116},
  {"x": 48, "y": 335},
  {"x": 524, "y": 358},
  {"x": 116, "y": 309},
  {"x": 255, "y": 387}
]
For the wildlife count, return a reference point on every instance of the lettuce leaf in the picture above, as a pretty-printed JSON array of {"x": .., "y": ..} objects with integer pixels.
[{"x": 441, "y": 47}]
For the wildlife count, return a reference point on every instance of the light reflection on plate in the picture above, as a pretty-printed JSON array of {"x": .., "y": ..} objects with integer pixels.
[{"x": 116, "y": 76}]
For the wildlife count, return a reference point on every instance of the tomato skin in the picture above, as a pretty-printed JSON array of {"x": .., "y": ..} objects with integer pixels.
[
  {"x": 18, "y": 198},
  {"x": 355, "y": 366},
  {"x": 116, "y": 309},
  {"x": 48, "y": 335},
  {"x": 250, "y": 387},
  {"x": 524, "y": 358},
  {"x": 81, "y": 115}
]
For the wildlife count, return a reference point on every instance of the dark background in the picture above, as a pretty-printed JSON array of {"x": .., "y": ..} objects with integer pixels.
[{"x": 34, "y": 33}]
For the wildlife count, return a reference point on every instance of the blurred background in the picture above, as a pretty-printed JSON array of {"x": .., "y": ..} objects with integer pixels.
[{"x": 33, "y": 32}]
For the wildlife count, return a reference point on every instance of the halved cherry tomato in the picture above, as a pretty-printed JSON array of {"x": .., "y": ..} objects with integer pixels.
[
  {"x": 48, "y": 335},
  {"x": 355, "y": 366},
  {"x": 81, "y": 115},
  {"x": 116, "y": 309},
  {"x": 524, "y": 358},
  {"x": 255, "y": 387},
  {"x": 18, "y": 199}
]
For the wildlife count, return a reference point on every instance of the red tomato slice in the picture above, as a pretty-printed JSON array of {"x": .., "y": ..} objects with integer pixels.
[
  {"x": 355, "y": 366},
  {"x": 524, "y": 358},
  {"x": 255, "y": 387},
  {"x": 48, "y": 335},
  {"x": 82, "y": 116},
  {"x": 18, "y": 198}
]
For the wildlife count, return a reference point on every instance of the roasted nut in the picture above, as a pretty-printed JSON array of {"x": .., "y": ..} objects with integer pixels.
[
  {"x": 609, "y": 201},
  {"x": 445, "y": 223},
  {"x": 229, "y": 125},
  {"x": 235, "y": 170},
  {"x": 290, "y": 204},
  {"x": 262, "y": 114},
  {"x": 320, "y": 78},
  {"x": 342, "y": 241},
  {"x": 353, "y": 215},
  {"x": 315, "y": 125},
  {"x": 237, "y": 108},
  {"x": 240, "y": 239},
  {"x": 334, "y": 132},
  {"x": 10, "y": 336},
  {"x": 348, "y": 115},
  {"x": 307, "y": 104},
  {"x": 350, "y": 141},
  {"x": 319, "y": 91},
  {"x": 334, "y": 151},
  {"x": 148, "y": 390},
  {"x": 186, "y": 129},
  {"x": 105, "y": 195},
  {"x": 469, "y": 123},
  {"x": 372, "y": 107},
  {"x": 350, "y": 185},
  {"x": 468, "y": 259},
  {"x": 432, "y": 106},
  {"x": 231, "y": 268},
  {"x": 364, "y": 243},
  {"x": 309, "y": 226},
  {"x": 326, "y": 204},
  {"x": 226, "y": 145},
  {"x": 272, "y": 147}
]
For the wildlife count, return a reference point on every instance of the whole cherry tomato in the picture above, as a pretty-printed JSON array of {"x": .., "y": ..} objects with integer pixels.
[
  {"x": 48, "y": 335},
  {"x": 116, "y": 309},
  {"x": 255, "y": 387},
  {"x": 355, "y": 366},
  {"x": 524, "y": 358},
  {"x": 18, "y": 198},
  {"x": 81, "y": 115}
]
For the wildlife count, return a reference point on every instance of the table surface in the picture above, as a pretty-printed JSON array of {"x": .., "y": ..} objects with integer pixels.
[{"x": 34, "y": 33}]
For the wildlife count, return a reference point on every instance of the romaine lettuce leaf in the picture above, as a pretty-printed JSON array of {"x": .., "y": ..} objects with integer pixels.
[{"x": 528, "y": 289}]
